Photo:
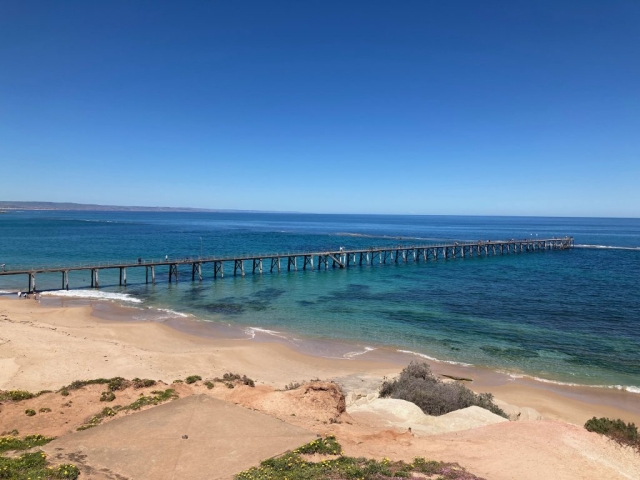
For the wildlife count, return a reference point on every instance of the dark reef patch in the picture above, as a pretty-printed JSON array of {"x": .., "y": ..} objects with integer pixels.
[
  {"x": 509, "y": 353},
  {"x": 269, "y": 294},
  {"x": 224, "y": 308}
]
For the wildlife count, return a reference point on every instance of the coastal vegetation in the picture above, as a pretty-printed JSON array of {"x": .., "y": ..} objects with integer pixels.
[
  {"x": 157, "y": 397},
  {"x": 32, "y": 464},
  {"x": 107, "y": 396},
  {"x": 297, "y": 465},
  {"x": 143, "y": 382},
  {"x": 617, "y": 430},
  {"x": 418, "y": 385},
  {"x": 17, "y": 395},
  {"x": 230, "y": 379}
]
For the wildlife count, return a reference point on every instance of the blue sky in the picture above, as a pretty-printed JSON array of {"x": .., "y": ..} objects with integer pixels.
[{"x": 506, "y": 108}]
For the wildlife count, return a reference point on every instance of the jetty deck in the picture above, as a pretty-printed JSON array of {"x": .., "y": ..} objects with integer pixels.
[{"x": 293, "y": 261}]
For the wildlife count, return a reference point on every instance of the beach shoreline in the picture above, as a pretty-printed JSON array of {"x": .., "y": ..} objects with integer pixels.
[{"x": 50, "y": 346}]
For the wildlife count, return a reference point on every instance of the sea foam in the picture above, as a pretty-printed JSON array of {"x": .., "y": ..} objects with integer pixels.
[
  {"x": 355, "y": 354},
  {"x": 251, "y": 331},
  {"x": 606, "y": 247},
  {"x": 93, "y": 295},
  {"x": 173, "y": 313},
  {"x": 626, "y": 388},
  {"x": 433, "y": 359}
]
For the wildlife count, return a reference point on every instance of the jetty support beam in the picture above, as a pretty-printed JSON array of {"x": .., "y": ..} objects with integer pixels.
[
  {"x": 307, "y": 260},
  {"x": 123, "y": 276},
  {"x": 335, "y": 260},
  {"x": 65, "y": 280},
  {"x": 173, "y": 272},
  {"x": 292, "y": 262},
  {"x": 153, "y": 274},
  {"x": 94, "y": 278},
  {"x": 196, "y": 268},
  {"x": 218, "y": 269},
  {"x": 238, "y": 265},
  {"x": 257, "y": 265},
  {"x": 275, "y": 263}
]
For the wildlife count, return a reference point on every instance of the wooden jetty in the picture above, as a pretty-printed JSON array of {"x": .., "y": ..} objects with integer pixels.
[{"x": 340, "y": 258}]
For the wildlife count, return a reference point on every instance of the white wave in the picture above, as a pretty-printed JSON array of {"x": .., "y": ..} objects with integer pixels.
[
  {"x": 93, "y": 294},
  {"x": 628, "y": 388},
  {"x": 173, "y": 313},
  {"x": 251, "y": 331},
  {"x": 5, "y": 292},
  {"x": 355, "y": 354},
  {"x": 422, "y": 355},
  {"x": 606, "y": 247}
]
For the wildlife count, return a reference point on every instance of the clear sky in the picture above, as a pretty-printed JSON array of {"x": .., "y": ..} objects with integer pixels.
[{"x": 447, "y": 107}]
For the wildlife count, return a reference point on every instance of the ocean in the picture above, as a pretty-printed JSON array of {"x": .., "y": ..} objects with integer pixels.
[{"x": 562, "y": 316}]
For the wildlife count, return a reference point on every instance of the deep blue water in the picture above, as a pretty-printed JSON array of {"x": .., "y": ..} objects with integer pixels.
[{"x": 563, "y": 315}]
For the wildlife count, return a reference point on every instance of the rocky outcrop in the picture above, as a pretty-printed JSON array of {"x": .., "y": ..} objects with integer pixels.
[
  {"x": 516, "y": 413},
  {"x": 403, "y": 415}
]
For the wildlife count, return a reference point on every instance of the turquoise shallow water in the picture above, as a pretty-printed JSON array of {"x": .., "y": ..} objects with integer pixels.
[{"x": 570, "y": 316}]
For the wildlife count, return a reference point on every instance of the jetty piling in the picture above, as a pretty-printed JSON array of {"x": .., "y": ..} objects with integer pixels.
[{"x": 340, "y": 258}]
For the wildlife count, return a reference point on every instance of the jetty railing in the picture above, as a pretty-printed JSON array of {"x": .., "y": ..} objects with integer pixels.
[{"x": 341, "y": 258}]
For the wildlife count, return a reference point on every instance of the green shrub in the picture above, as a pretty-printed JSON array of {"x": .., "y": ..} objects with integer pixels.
[
  {"x": 157, "y": 397},
  {"x": 64, "y": 392},
  {"x": 418, "y": 385},
  {"x": 44, "y": 410},
  {"x": 323, "y": 446},
  {"x": 30, "y": 441},
  {"x": 292, "y": 386},
  {"x": 107, "y": 396},
  {"x": 192, "y": 379},
  {"x": 34, "y": 465},
  {"x": 209, "y": 384},
  {"x": 118, "y": 383},
  {"x": 78, "y": 384},
  {"x": 230, "y": 378},
  {"x": 109, "y": 412},
  {"x": 15, "y": 395},
  {"x": 617, "y": 430},
  {"x": 293, "y": 466},
  {"x": 143, "y": 383},
  {"x": 29, "y": 412},
  {"x": 247, "y": 381},
  {"x": 113, "y": 384}
]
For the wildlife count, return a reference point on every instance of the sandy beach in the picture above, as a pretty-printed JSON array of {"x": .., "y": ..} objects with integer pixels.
[{"x": 48, "y": 347}]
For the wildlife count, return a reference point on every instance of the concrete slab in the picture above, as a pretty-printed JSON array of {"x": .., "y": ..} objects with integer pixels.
[{"x": 223, "y": 439}]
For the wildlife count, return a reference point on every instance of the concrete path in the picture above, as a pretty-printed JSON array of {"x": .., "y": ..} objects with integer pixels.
[{"x": 223, "y": 439}]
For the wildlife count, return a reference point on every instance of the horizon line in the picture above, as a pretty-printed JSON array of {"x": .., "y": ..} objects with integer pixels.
[{"x": 92, "y": 207}]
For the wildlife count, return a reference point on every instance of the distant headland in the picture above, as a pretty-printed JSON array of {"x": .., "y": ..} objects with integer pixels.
[{"x": 6, "y": 206}]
